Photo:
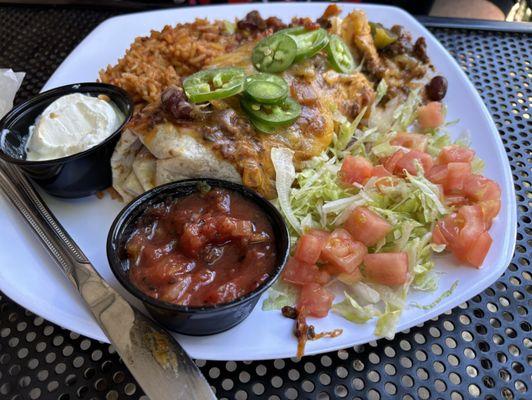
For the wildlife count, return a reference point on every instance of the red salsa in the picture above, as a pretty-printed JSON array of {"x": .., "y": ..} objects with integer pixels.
[{"x": 203, "y": 249}]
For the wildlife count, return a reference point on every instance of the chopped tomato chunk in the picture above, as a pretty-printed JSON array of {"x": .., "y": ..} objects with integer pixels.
[
  {"x": 413, "y": 141},
  {"x": 472, "y": 219},
  {"x": 366, "y": 226},
  {"x": 355, "y": 169},
  {"x": 486, "y": 193},
  {"x": 342, "y": 252},
  {"x": 380, "y": 171},
  {"x": 464, "y": 234},
  {"x": 455, "y": 153},
  {"x": 456, "y": 200},
  {"x": 437, "y": 174},
  {"x": 457, "y": 172},
  {"x": 300, "y": 273},
  {"x": 315, "y": 300},
  {"x": 430, "y": 116},
  {"x": 407, "y": 162},
  {"x": 479, "y": 249},
  {"x": 386, "y": 268},
  {"x": 308, "y": 248},
  {"x": 390, "y": 163}
]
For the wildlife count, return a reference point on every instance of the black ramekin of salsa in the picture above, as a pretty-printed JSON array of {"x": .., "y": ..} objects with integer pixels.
[
  {"x": 198, "y": 253},
  {"x": 77, "y": 175}
]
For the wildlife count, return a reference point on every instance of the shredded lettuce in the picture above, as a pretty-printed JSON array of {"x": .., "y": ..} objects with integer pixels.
[
  {"x": 354, "y": 312},
  {"x": 444, "y": 295},
  {"x": 387, "y": 322},
  {"x": 284, "y": 177},
  {"x": 314, "y": 197},
  {"x": 280, "y": 295}
]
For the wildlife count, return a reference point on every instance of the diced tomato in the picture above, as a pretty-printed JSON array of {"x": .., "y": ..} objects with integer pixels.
[
  {"x": 167, "y": 268},
  {"x": 352, "y": 278},
  {"x": 437, "y": 174},
  {"x": 380, "y": 171},
  {"x": 479, "y": 188},
  {"x": 342, "y": 252},
  {"x": 430, "y": 116},
  {"x": 413, "y": 141},
  {"x": 308, "y": 248},
  {"x": 319, "y": 233},
  {"x": 457, "y": 172},
  {"x": 486, "y": 193},
  {"x": 390, "y": 163},
  {"x": 464, "y": 234},
  {"x": 355, "y": 169},
  {"x": 479, "y": 249},
  {"x": 473, "y": 225},
  {"x": 386, "y": 268},
  {"x": 315, "y": 300},
  {"x": 300, "y": 273},
  {"x": 438, "y": 236},
  {"x": 407, "y": 162},
  {"x": 446, "y": 231},
  {"x": 366, "y": 226},
  {"x": 455, "y": 153},
  {"x": 456, "y": 200},
  {"x": 192, "y": 240}
]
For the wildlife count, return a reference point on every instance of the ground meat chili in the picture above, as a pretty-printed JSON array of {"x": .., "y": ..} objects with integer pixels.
[{"x": 203, "y": 249}]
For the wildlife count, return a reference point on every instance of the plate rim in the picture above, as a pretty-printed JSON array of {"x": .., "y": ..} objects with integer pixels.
[{"x": 508, "y": 245}]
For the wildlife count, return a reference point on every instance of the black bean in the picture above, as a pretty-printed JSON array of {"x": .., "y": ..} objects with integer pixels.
[
  {"x": 436, "y": 88},
  {"x": 289, "y": 312}
]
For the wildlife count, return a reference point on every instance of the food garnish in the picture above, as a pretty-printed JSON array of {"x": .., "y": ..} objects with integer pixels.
[
  {"x": 370, "y": 213},
  {"x": 309, "y": 42},
  {"x": 214, "y": 84},
  {"x": 340, "y": 56},
  {"x": 266, "y": 88},
  {"x": 274, "y": 53}
]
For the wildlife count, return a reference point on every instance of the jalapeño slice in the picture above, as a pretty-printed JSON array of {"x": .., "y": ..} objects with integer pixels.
[
  {"x": 274, "y": 53},
  {"x": 339, "y": 55},
  {"x": 309, "y": 42},
  {"x": 266, "y": 88},
  {"x": 272, "y": 115},
  {"x": 262, "y": 127},
  {"x": 214, "y": 84}
]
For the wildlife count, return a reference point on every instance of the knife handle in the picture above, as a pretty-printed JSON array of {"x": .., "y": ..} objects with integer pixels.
[{"x": 55, "y": 239}]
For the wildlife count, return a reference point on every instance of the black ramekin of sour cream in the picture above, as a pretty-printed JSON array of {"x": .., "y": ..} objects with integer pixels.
[{"x": 83, "y": 173}]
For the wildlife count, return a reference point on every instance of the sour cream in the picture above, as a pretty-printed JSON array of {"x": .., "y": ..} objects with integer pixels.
[{"x": 71, "y": 124}]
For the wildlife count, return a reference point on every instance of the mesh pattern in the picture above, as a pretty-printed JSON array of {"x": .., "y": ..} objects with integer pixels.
[{"x": 481, "y": 349}]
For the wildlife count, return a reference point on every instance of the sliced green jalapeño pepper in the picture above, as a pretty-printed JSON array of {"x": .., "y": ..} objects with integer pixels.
[
  {"x": 309, "y": 42},
  {"x": 272, "y": 115},
  {"x": 214, "y": 84},
  {"x": 274, "y": 53},
  {"x": 266, "y": 88},
  {"x": 340, "y": 56}
]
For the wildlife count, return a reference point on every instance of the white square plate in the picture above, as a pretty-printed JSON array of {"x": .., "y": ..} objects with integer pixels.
[{"x": 30, "y": 278}]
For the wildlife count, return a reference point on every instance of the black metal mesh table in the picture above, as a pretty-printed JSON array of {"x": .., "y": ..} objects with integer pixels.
[{"x": 481, "y": 349}]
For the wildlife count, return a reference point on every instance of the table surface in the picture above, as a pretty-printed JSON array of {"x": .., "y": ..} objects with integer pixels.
[{"x": 480, "y": 349}]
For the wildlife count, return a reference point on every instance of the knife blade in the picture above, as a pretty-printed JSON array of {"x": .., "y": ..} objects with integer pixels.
[{"x": 155, "y": 359}]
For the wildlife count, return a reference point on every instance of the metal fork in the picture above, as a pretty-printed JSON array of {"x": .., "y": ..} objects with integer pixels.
[{"x": 159, "y": 364}]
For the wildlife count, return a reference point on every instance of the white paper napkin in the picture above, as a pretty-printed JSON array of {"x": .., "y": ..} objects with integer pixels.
[{"x": 9, "y": 84}]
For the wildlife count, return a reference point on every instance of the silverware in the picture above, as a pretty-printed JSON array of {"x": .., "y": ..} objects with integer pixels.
[{"x": 159, "y": 364}]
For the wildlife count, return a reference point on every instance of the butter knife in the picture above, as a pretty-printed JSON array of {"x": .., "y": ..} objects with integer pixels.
[{"x": 159, "y": 364}]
